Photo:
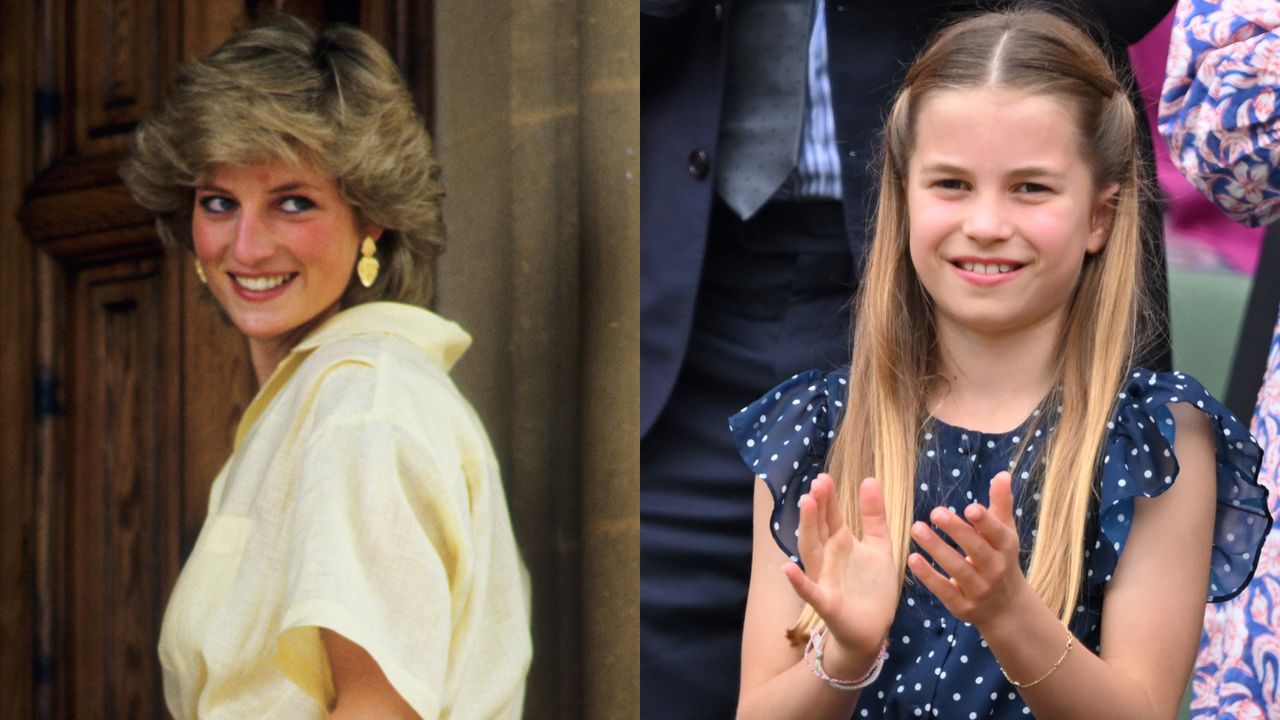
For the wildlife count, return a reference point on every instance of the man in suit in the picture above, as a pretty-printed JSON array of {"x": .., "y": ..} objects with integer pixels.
[{"x": 739, "y": 292}]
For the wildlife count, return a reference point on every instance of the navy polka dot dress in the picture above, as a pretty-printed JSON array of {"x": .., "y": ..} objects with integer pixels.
[{"x": 939, "y": 666}]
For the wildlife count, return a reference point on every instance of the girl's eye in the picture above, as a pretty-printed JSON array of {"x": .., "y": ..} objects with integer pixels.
[
  {"x": 1030, "y": 187},
  {"x": 950, "y": 184},
  {"x": 296, "y": 204},
  {"x": 216, "y": 204}
]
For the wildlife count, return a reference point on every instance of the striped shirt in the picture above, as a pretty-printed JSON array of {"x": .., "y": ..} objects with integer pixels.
[{"x": 817, "y": 173}]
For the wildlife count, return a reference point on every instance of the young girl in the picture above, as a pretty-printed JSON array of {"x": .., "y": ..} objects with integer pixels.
[{"x": 1016, "y": 463}]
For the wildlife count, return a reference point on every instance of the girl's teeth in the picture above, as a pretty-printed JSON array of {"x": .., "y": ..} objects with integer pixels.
[
  {"x": 984, "y": 269},
  {"x": 260, "y": 284}
]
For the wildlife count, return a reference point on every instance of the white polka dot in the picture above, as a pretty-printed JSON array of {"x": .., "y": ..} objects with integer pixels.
[
  {"x": 924, "y": 487},
  {"x": 955, "y": 473},
  {"x": 917, "y": 687},
  {"x": 977, "y": 680},
  {"x": 956, "y": 697},
  {"x": 773, "y": 457},
  {"x": 964, "y": 658},
  {"x": 906, "y": 640},
  {"x": 751, "y": 443}
]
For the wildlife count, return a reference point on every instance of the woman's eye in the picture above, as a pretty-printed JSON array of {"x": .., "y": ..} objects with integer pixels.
[
  {"x": 216, "y": 204},
  {"x": 296, "y": 204},
  {"x": 949, "y": 184}
]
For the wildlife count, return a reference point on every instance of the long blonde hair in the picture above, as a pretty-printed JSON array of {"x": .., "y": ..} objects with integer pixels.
[{"x": 894, "y": 346}]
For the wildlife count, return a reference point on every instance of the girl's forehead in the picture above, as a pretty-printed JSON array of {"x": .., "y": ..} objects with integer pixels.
[{"x": 993, "y": 127}]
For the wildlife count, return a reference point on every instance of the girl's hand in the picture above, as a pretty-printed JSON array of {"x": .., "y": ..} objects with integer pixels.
[
  {"x": 987, "y": 581},
  {"x": 852, "y": 583}
]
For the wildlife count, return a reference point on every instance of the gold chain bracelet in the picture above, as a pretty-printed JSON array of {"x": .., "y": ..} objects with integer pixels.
[{"x": 1071, "y": 638}]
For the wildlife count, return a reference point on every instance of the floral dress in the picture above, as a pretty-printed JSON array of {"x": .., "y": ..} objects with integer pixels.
[
  {"x": 940, "y": 666},
  {"x": 1218, "y": 112}
]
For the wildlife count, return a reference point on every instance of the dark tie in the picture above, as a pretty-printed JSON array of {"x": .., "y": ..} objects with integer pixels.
[{"x": 764, "y": 99}]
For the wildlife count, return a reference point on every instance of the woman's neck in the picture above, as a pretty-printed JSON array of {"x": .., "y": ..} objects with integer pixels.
[
  {"x": 992, "y": 382},
  {"x": 267, "y": 353}
]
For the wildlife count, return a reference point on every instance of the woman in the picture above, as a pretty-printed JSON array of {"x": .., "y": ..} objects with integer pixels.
[
  {"x": 358, "y": 557},
  {"x": 1218, "y": 113}
]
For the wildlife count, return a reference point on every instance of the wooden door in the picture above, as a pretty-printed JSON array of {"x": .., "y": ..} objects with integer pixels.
[{"x": 139, "y": 384}]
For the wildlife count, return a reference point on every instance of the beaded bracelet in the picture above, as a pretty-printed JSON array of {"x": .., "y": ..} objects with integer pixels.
[
  {"x": 817, "y": 640},
  {"x": 1071, "y": 638}
]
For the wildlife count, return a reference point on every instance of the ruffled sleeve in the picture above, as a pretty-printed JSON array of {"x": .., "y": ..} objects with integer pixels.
[
  {"x": 1139, "y": 460},
  {"x": 784, "y": 437}
]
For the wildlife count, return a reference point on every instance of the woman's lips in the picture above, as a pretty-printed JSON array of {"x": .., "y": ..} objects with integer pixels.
[{"x": 258, "y": 288}]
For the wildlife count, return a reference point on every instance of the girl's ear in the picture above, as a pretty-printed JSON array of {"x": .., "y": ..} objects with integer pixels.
[
  {"x": 373, "y": 232},
  {"x": 1104, "y": 213}
]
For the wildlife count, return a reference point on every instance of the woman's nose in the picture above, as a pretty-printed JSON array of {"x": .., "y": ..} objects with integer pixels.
[
  {"x": 253, "y": 242},
  {"x": 987, "y": 220}
]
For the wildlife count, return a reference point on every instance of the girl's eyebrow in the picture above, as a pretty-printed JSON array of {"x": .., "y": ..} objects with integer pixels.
[{"x": 944, "y": 168}]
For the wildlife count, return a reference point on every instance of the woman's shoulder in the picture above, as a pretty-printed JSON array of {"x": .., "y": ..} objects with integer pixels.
[
  {"x": 1140, "y": 459},
  {"x": 381, "y": 382}
]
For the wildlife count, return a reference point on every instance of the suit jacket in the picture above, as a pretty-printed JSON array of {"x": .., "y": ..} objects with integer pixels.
[{"x": 870, "y": 44}]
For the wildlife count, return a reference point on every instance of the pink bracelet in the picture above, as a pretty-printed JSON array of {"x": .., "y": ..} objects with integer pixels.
[{"x": 816, "y": 641}]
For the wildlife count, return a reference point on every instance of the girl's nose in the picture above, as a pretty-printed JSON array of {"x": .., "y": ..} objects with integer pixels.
[
  {"x": 986, "y": 220},
  {"x": 253, "y": 243}
]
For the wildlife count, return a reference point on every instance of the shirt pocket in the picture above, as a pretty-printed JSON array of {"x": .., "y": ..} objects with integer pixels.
[{"x": 202, "y": 589}]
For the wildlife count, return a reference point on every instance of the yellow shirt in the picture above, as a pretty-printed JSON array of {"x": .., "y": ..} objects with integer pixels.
[{"x": 362, "y": 496}]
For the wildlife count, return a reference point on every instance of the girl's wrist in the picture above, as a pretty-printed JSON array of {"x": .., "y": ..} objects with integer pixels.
[
  {"x": 1019, "y": 620},
  {"x": 843, "y": 662}
]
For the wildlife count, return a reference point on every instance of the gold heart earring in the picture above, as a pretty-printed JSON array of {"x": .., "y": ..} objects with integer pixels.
[
  {"x": 200, "y": 272},
  {"x": 368, "y": 266}
]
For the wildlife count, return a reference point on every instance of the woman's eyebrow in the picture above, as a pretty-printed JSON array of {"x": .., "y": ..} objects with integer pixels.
[{"x": 291, "y": 186}]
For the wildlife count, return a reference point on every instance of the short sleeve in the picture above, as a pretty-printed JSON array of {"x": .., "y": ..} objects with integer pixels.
[
  {"x": 783, "y": 438},
  {"x": 1139, "y": 460},
  {"x": 377, "y": 552}
]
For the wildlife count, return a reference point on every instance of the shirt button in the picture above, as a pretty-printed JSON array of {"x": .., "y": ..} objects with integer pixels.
[{"x": 699, "y": 162}]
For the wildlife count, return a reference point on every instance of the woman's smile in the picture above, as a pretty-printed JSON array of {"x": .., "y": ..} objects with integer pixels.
[{"x": 261, "y": 287}]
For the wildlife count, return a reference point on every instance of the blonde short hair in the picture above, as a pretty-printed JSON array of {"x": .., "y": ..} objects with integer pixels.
[{"x": 283, "y": 91}]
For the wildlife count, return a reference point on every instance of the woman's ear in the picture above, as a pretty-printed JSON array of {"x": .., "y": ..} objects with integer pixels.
[
  {"x": 1104, "y": 215},
  {"x": 373, "y": 232}
]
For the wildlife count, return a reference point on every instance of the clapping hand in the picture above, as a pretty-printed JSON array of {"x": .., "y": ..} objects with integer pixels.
[
  {"x": 852, "y": 583},
  {"x": 987, "y": 580}
]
